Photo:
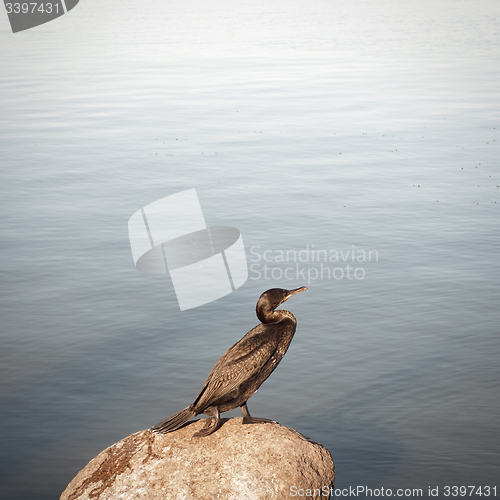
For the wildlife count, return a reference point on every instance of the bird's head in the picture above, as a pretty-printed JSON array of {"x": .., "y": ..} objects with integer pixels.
[{"x": 273, "y": 298}]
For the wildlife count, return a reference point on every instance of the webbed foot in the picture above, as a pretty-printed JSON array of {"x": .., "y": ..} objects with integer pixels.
[
  {"x": 248, "y": 419},
  {"x": 211, "y": 424},
  {"x": 255, "y": 420}
]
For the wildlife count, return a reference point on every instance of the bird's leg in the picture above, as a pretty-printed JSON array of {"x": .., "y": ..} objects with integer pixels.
[
  {"x": 211, "y": 424},
  {"x": 248, "y": 419}
]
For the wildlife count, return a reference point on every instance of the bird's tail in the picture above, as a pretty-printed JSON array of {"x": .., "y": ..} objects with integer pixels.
[{"x": 175, "y": 421}]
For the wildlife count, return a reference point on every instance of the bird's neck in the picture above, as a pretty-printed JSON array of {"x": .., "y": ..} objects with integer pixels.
[{"x": 269, "y": 317}]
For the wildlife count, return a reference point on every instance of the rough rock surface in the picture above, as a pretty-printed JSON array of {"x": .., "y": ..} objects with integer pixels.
[{"x": 240, "y": 462}]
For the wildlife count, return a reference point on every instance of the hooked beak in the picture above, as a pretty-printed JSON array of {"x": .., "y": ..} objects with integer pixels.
[{"x": 295, "y": 292}]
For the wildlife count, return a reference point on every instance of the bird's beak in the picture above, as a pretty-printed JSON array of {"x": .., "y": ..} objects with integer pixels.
[{"x": 296, "y": 291}]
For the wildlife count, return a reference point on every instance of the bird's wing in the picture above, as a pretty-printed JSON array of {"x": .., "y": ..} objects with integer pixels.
[{"x": 239, "y": 363}]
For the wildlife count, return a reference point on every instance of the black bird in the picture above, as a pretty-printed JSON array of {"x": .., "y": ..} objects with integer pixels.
[{"x": 243, "y": 367}]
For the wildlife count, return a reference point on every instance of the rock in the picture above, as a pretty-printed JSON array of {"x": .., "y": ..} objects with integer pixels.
[{"x": 240, "y": 462}]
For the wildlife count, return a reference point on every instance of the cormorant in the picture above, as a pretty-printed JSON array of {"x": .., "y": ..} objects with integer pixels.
[{"x": 243, "y": 367}]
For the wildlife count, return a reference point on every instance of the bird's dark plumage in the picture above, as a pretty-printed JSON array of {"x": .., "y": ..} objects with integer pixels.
[{"x": 243, "y": 367}]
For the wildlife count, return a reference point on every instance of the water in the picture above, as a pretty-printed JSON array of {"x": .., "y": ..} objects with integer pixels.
[{"x": 320, "y": 126}]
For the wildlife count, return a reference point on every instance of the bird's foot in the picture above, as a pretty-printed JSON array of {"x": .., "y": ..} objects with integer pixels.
[
  {"x": 211, "y": 425},
  {"x": 255, "y": 420},
  {"x": 204, "y": 432},
  {"x": 248, "y": 419}
]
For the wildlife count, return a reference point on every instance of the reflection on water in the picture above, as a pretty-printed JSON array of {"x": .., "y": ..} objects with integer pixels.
[{"x": 325, "y": 127}]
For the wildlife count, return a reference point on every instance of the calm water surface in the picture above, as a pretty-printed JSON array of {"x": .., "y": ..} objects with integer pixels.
[{"x": 370, "y": 126}]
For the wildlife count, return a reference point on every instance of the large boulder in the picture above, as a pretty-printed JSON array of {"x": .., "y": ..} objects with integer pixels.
[{"x": 240, "y": 462}]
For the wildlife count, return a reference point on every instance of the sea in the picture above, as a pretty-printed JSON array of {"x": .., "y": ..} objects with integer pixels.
[{"x": 354, "y": 145}]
